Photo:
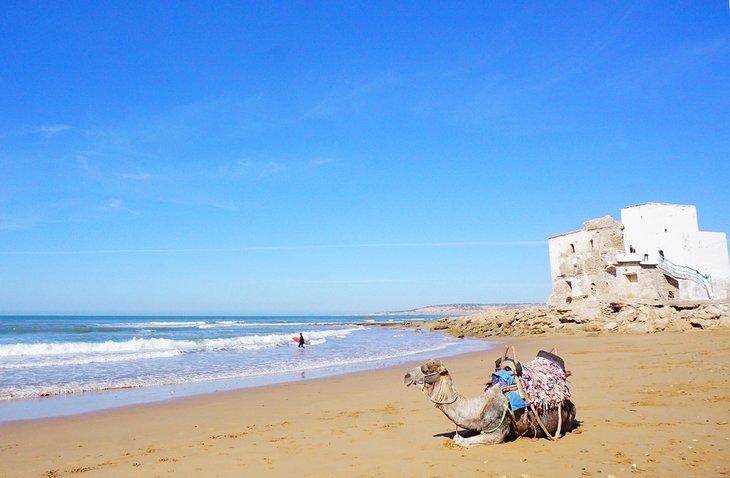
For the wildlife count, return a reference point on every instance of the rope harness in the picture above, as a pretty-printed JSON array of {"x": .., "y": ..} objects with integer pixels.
[
  {"x": 501, "y": 420},
  {"x": 434, "y": 401}
]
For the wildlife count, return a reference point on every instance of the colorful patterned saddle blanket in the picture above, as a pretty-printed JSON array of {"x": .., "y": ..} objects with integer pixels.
[{"x": 544, "y": 382}]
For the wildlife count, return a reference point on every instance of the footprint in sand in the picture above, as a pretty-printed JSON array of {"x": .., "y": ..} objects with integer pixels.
[{"x": 80, "y": 469}]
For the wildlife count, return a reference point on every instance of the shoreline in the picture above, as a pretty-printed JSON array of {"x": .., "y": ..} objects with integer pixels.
[
  {"x": 79, "y": 403},
  {"x": 192, "y": 400},
  {"x": 658, "y": 401},
  {"x": 173, "y": 398}
]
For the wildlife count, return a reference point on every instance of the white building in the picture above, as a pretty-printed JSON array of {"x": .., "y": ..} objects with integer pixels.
[{"x": 656, "y": 252}]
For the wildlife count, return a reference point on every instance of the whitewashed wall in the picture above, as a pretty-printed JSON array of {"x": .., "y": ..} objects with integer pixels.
[{"x": 674, "y": 229}]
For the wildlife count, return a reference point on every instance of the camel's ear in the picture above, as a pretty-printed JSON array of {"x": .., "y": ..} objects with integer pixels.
[{"x": 441, "y": 370}]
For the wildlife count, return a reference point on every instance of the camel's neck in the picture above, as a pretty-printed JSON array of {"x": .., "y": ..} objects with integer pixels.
[{"x": 464, "y": 412}]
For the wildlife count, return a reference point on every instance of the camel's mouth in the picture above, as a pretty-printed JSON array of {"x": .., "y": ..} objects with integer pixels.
[{"x": 414, "y": 377}]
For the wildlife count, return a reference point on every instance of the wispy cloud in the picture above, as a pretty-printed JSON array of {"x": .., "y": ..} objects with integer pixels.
[
  {"x": 117, "y": 205},
  {"x": 136, "y": 176},
  {"x": 27, "y": 216},
  {"x": 247, "y": 167},
  {"x": 333, "y": 281},
  {"x": 9, "y": 226},
  {"x": 84, "y": 164},
  {"x": 384, "y": 245},
  {"x": 250, "y": 168},
  {"x": 52, "y": 129},
  {"x": 672, "y": 65},
  {"x": 356, "y": 95},
  {"x": 320, "y": 161}
]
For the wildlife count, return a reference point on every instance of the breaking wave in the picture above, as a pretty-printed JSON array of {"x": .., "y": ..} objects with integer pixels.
[{"x": 141, "y": 348}]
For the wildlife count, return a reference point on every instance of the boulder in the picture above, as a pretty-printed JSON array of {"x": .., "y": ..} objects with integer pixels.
[
  {"x": 647, "y": 314},
  {"x": 708, "y": 313},
  {"x": 668, "y": 313},
  {"x": 702, "y": 323},
  {"x": 678, "y": 325},
  {"x": 627, "y": 315},
  {"x": 503, "y": 320},
  {"x": 638, "y": 328},
  {"x": 661, "y": 324}
]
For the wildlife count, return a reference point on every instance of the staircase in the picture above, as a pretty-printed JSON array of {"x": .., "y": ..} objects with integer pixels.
[{"x": 686, "y": 273}]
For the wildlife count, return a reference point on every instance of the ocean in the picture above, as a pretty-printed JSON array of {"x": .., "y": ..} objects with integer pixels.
[{"x": 53, "y": 366}]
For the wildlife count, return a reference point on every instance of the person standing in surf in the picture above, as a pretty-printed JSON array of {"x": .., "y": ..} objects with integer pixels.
[{"x": 301, "y": 340}]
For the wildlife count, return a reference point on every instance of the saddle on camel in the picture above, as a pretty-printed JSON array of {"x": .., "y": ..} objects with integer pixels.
[{"x": 533, "y": 389}]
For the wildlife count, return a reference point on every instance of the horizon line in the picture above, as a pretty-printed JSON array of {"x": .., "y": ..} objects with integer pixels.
[{"x": 276, "y": 248}]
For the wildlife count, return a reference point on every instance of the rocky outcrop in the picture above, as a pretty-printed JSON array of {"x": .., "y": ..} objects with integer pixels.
[{"x": 609, "y": 318}]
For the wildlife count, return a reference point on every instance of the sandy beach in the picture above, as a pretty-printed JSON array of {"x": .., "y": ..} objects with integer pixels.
[{"x": 658, "y": 401}]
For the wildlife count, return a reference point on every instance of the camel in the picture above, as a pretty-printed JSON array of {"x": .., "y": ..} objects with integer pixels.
[{"x": 487, "y": 418}]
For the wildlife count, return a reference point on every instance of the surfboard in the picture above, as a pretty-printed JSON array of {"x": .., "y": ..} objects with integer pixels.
[{"x": 296, "y": 339}]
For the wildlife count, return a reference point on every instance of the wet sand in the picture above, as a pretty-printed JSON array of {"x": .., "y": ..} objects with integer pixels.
[{"x": 659, "y": 401}]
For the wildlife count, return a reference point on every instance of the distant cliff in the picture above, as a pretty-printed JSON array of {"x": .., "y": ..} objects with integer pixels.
[{"x": 453, "y": 309}]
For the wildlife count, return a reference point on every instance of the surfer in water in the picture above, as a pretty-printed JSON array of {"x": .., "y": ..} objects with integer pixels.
[{"x": 301, "y": 340}]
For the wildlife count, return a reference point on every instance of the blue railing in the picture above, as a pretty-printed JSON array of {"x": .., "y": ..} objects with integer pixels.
[{"x": 687, "y": 273}]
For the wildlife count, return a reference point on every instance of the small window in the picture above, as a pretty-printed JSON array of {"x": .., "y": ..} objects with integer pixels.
[
  {"x": 633, "y": 278},
  {"x": 570, "y": 285},
  {"x": 591, "y": 243},
  {"x": 572, "y": 248}
]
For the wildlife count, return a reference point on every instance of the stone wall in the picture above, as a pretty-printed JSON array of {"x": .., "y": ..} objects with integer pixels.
[{"x": 581, "y": 262}]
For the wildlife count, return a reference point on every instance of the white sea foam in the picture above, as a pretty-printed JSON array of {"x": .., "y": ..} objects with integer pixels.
[
  {"x": 52, "y": 361},
  {"x": 154, "y": 324},
  {"x": 73, "y": 387},
  {"x": 137, "y": 345},
  {"x": 211, "y": 324}
]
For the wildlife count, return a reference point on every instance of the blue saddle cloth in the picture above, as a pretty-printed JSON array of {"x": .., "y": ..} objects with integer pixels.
[{"x": 504, "y": 378}]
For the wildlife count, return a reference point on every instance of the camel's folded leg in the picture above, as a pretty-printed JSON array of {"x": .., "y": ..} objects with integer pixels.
[{"x": 479, "y": 439}]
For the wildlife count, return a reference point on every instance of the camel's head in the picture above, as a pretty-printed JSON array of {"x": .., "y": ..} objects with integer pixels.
[{"x": 425, "y": 375}]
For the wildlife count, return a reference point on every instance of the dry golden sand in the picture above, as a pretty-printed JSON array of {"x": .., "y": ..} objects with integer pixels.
[{"x": 661, "y": 402}]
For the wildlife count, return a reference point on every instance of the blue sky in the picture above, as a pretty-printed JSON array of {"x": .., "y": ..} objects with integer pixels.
[{"x": 340, "y": 157}]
